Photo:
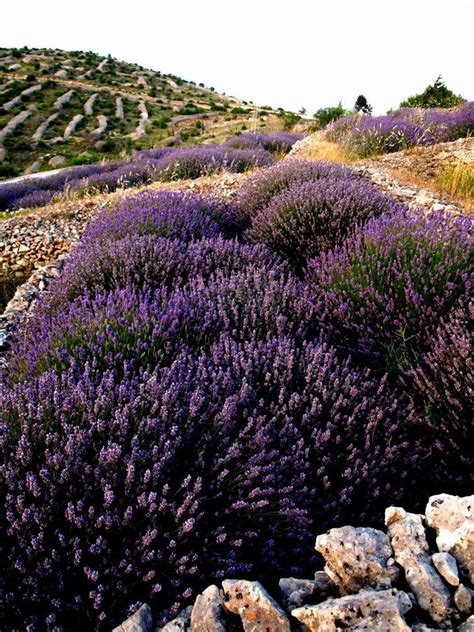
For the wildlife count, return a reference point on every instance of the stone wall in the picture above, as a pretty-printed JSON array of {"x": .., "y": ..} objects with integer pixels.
[{"x": 417, "y": 575}]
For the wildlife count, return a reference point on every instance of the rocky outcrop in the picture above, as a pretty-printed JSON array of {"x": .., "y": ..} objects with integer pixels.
[
  {"x": 10, "y": 128},
  {"x": 63, "y": 99},
  {"x": 44, "y": 126},
  {"x": 453, "y": 520},
  {"x": 357, "y": 558},
  {"x": 89, "y": 104},
  {"x": 100, "y": 129},
  {"x": 143, "y": 124},
  {"x": 71, "y": 126},
  {"x": 372, "y": 582},
  {"x": 119, "y": 108},
  {"x": 408, "y": 539}
]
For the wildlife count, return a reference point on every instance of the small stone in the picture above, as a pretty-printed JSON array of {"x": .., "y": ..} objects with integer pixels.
[
  {"x": 446, "y": 566},
  {"x": 56, "y": 161},
  {"x": 438, "y": 207},
  {"x": 357, "y": 558},
  {"x": 377, "y": 611},
  {"x": 140, "y": 621},
  {"x": 297, "y": 592},
  {"x": 257, "y": 609},
  {"x": 208, "y": 612},
  {"x": 180, "y": 624},
  {"x": 463, "y": 599},
  {"x": 409, "y": 543},
  {"x": 453, "y": 519}
]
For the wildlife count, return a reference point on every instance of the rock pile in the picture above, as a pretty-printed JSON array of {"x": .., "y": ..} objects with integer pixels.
[{"x": 372, "y": 581}]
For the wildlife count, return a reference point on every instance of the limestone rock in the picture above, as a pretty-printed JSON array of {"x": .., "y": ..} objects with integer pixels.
[
  {"x": 411, "y": 552},
  {"x": 463, "y": 599},
  {"x": 296, "y": 592},
  {"x": 468, "y": 625},
  {"x": 453, "y": 519},
  {"x": 377, "y": 611},
  {"x": 257, "y": 609},
  {"x": 140, "y": 621},
  {"x": 357, "y": 558},
  {"x": 208, "y": 612},
  {"x": 56, "y": 161},
  {"x": 446, "y": 566},
  {"x": 180, "y": 624}
]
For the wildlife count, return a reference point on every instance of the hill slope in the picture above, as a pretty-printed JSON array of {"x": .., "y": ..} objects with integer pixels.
[{"x": 61, "y": 108}]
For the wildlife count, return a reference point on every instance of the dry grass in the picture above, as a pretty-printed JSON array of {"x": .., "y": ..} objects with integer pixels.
[
  {"x": 322, "y": 149},
  {"x": 454, "y": 182}
]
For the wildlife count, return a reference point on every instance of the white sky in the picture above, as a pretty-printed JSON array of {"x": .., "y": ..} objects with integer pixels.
[{"x": 275, "y": 52}]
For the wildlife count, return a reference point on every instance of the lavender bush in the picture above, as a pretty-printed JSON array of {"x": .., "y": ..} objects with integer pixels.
[
  {"x": 204, "y": 160},
  {"x": 277, "y": 142},
  {"x": 151, "y": 262},
  {"x": 383, "y": 290},
  {"x": 312, "y": 216},
  {"x": 176, "y": 215},
  {"x": 367, "y": 135},
  {"x": 122, "y": 488},
  {"x": 259, "y": 190}
]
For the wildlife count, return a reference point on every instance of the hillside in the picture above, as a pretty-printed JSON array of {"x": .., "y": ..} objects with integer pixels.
[{"x": 62, "y": 108}]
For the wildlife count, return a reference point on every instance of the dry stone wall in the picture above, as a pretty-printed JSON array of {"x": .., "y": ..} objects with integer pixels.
[{"x": 373, "y": 581}]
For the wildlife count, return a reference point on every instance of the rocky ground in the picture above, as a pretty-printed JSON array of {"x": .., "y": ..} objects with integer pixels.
[{"x": 418, "y": 575}]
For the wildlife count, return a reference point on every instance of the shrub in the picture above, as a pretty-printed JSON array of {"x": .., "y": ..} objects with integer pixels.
[
  {"x": 436, "y": 95},
  {"x": 7, "y": 170},
  {"x": 443, "y": 378},
  {"x": 120, "y": 489},
  {"x": 175, "y": 215},
  {"x": 259, "y": 190},
  {"x": 324, "y": 116},
  {"x": 383, "y": 291},
  {"x": 150, "y": 262},
  {"x": 280, "y": 142},
  {"x": 312, "y": 216},
  {"x": 207, "y": 159}
]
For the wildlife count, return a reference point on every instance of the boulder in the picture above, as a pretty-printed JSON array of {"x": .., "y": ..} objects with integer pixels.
[
  {"x": 468, "y": 625},
  {"x": 296, "y": 592},
  {"x": 57, "y": 161},
  {"x": 358, "y": 558},
  {"x": 453, "y": 519},
  {"x": 411, "y": 550},
  {"x": 377, "y": 611},
  {"x": 257, "y": 609},
  {"x": 140, "y": 621},
  {"x": 208, "y": 612}
]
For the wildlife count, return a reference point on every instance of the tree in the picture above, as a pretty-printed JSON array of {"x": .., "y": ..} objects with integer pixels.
[
  {"x": 324, "y": 116},
  {"x": 436, "y": 95},
  {"x": 362, "y": 105},
  {"x": 302, "y": 110}
]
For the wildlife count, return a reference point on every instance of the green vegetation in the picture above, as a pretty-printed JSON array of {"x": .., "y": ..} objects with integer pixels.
[{"x": 436, "y": 95}]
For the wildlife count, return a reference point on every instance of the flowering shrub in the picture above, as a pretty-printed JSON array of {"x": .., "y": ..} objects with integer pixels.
[
  {"x": 406, "y": 127},
  {"x": 259, "y": 190},
  {"x": 312, "y": 216},
  {"x": 383, "y": 290},
  {"x": 152, "y": 263},
  {"x": 122, "y": 488},
  {"x": 204, "y": 160},
  {"x": 278, "y": 142},
  {"x": 443, "y": 377},
  {"x": 175, "y": 215}
]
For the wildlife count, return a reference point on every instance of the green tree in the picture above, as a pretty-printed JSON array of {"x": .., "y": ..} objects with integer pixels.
[
  {"x": 362, "y": 105},
  {"x": 324, "y": 116},
  {"x": 436, "y": 95}
]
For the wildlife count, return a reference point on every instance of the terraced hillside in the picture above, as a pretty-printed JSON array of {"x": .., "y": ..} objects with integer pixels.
[{"x": 62, "y": 108}]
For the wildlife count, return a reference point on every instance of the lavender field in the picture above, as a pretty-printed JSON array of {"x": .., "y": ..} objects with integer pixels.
[{"x": 209, "y": 383}]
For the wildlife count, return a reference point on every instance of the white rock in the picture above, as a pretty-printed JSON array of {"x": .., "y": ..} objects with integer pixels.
[
  {"x": 394, "y": 513},
  {"x": 357, "y": 558},
  {"x": 453, "y": 519},
  {"x": 411, "y": 550},
  {"x": 56, "y": 161},
  {"x": 377, "y": 611},
  {"x": 208, "y": 612},
  {"x": 180, "y": 624},
  {"x": 446, "y": 566},
  {"x": 141, "y": 621},
  {"x": 71, "y": 126},
  {"x": 257, "y": 609},
  {"x": 437, "y": 208},
  {"x": 468, "y": 625}
]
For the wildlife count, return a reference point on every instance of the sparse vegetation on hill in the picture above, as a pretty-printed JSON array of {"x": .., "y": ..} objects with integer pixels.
[{"x": 79, "y": 107}]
